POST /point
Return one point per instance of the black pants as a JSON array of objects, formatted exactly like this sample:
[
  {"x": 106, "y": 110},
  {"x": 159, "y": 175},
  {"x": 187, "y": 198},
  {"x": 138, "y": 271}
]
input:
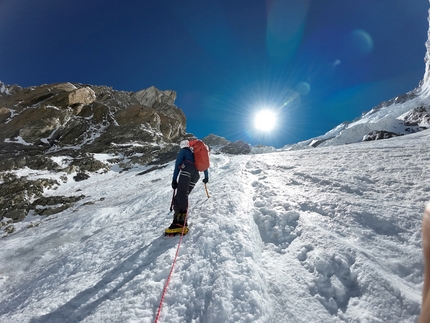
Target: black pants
[{"x": 188, "y": 178}]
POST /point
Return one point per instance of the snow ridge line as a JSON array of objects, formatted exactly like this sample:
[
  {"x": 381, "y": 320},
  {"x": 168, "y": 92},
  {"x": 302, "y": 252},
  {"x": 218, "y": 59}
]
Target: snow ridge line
[{"x": 157, "y": 317}]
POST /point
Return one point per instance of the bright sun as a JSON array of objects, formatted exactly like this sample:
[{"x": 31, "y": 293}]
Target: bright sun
[{"x": 265, "y": 120}]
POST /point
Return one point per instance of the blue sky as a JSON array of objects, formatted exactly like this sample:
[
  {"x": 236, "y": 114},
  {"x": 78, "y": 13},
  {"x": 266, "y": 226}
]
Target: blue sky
[{"x": 316, "y": 63}]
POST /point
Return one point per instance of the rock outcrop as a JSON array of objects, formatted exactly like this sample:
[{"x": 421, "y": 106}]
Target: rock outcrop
[
  {"x": 419, "y": 116},
  {"x": 61, "y": 127},
  {"x": 238, "y": 147},
  {"x": 379, "y": 135},
  {"x": 214, "y": 140},
  {"x": 66, "y": 114}
]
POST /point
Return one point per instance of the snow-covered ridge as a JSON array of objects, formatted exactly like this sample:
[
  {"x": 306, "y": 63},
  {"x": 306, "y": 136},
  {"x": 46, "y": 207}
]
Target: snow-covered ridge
[{"x": 399, "y": 118}]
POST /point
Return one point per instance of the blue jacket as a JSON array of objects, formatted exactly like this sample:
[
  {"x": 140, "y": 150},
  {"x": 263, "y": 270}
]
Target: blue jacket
[{"x": 185, "y": 156}]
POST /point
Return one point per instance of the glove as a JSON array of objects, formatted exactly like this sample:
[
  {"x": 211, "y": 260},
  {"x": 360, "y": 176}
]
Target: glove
[
  {"x": 205, "y": 180},
  {"x": 174, "y": 184}
]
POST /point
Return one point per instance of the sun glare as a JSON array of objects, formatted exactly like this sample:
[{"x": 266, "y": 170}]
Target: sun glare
[{"x": 265, "y": 120}]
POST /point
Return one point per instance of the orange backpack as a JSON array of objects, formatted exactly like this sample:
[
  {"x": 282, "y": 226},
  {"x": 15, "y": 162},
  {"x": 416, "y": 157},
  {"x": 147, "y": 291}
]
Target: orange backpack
[{"x": 201, "y": 155}]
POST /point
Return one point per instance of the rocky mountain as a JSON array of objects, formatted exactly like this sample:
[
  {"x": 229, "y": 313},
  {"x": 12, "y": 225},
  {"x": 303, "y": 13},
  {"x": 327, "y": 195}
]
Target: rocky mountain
[{"x": 63, "y": 127}]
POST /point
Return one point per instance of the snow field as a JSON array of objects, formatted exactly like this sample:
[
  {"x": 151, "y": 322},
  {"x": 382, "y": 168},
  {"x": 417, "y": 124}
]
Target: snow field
[{"x": 325, "y": 235}]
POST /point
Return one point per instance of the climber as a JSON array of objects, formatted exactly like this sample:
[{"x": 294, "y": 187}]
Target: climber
[{"x": 185, "y": 167}]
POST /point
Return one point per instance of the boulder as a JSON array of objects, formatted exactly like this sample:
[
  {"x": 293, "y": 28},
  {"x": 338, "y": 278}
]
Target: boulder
[{"x": 82, "y": 96}]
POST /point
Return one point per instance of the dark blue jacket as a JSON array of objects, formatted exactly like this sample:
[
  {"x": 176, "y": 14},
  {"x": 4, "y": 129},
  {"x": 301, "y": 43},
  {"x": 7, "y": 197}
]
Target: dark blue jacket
[{"x": 185, "y": 156}]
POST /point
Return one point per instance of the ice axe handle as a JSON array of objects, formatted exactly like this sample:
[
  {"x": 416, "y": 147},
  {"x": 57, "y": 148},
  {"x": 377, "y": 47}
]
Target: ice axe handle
[
  {"x": 206, "y": 189},
  {"x": 173, "y": 197}
]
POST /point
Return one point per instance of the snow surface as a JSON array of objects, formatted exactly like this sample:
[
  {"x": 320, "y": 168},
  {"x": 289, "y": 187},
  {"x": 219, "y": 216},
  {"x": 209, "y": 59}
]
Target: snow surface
[{"x": 331, "y": 234}]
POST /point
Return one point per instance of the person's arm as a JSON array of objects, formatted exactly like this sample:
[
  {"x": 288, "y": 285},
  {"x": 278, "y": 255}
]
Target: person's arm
[
  {"x": 179, "y": 161},
  {"x": 425, "y": 308}
]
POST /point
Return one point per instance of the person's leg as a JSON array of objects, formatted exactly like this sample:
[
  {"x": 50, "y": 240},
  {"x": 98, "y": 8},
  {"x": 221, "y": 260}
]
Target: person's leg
[
  {"x": 180, "y": 201},
  {"x": 181, "y": 197},
  {"x": 194, "y": 179}
]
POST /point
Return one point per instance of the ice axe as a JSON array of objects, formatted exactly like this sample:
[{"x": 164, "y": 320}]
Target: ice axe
[
  {"x": 173, "y": 197},
  {"x": 206, "y": 189}
]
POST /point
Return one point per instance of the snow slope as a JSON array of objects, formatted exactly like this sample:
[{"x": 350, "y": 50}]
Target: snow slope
[{"x": 323, "y": 235}]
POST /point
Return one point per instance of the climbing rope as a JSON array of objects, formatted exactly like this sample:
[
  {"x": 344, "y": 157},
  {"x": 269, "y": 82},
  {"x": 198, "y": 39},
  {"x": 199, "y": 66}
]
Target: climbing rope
[
  {"x": 157, "y": 317},
  {"x": 170, "y": 274}
]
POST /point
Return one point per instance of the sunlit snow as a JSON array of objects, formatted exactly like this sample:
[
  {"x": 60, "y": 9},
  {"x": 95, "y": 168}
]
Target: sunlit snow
[{"x": 324, "y": 235}]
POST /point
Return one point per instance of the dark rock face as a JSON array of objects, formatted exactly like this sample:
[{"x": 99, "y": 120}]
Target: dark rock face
[
  {"x": 224, "y": 146},
  {"x": 214, "y": 140},
  {"x": 40, "y": 124},
  {"x": 380, "y": 134},
  {"x": 16, "y": 193},
  {"x": 54, "y": 204},
  {"x": 81, "y": 177},
  {"x": 236, "y": 148},
  {"x": 417, "y": 116},
  {"x": 417, "y": 119}
]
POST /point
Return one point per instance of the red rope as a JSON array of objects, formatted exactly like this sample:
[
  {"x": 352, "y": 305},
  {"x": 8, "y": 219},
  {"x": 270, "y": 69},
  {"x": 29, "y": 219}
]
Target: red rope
[{"x": 171, "y": 271}]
